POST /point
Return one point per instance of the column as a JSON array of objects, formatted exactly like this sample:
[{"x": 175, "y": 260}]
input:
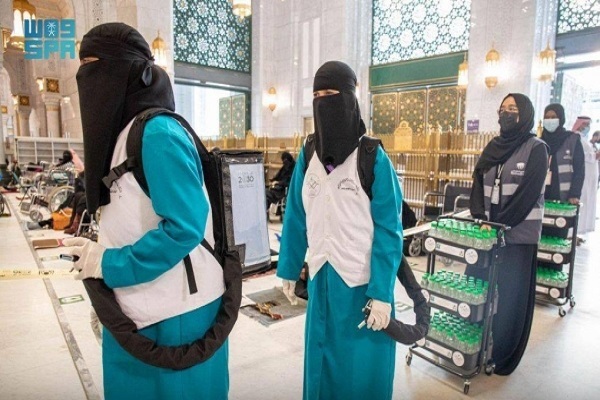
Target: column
[
  {"x": 52, "y": 111},
  {"x": 518, "y": 31},
  {"x": 23, "y": 112},
  {"x": 2, "y": 83}
]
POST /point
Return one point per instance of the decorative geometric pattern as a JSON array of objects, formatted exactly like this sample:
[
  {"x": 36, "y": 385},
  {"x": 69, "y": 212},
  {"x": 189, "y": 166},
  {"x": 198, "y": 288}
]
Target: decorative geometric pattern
[
  {"x": 576, "y": 15},
  {"x": 411, "y": 108},
  {"x": 238, "y": 115},
  {"x": 232, "y": 116},
  {"x": 225, "y": 117},
  {"x": 446, "y": 108},
  {"x": 384, "y": 113},
  {"x": 207, "y": 33},
  {"x": 408, "y": 29}
]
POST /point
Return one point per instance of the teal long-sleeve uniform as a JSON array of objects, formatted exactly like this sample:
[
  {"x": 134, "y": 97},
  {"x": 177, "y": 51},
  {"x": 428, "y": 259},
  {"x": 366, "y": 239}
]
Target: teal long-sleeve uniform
[
  {"x": 174, "y": 174},
  {"x": 340, "y": 360}
]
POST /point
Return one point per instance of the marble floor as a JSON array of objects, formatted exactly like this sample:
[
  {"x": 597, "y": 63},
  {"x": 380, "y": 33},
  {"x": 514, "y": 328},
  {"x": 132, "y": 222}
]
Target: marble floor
[{"x": 48, "y": 349}]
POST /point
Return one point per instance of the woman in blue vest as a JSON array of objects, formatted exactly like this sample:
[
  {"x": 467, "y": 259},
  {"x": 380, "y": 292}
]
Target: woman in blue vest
[
  {"x": 508, "y": 187},
  {"x": 144, "y": 236},
  {"x": 567, "y": 166},
  {"x": 355, "y": 249}
]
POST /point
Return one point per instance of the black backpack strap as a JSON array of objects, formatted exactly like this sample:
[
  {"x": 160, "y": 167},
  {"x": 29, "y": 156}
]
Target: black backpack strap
[
  {"x": 367, "y": 153},
  {"x": 309, "y": 150}
]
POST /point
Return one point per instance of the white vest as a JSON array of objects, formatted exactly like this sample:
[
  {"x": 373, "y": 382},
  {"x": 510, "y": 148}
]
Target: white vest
[
  {"x": 127, "y": 218},
  {"x": 339, "y": 222}
]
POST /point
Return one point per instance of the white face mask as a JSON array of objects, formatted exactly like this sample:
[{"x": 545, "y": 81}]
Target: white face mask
[
  {"x": 551, "y": 124},
  {"x": 585, "y": 131}
]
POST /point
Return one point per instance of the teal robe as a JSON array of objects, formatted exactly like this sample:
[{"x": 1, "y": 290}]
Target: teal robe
[
  {"x": 174, "y": 174},
  {"x": 340, "y": 360}
]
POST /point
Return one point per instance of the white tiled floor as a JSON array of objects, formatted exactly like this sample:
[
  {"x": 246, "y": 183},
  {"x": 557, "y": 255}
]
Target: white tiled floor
[{"x": 36, "y": 361}]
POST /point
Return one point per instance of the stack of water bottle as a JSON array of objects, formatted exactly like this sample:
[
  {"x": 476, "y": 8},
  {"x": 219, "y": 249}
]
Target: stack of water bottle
[
  {"x": 554, "y": 245},
  {"x": 457, "y": 286},
  {"x": 463, "y": 233},
  {"x": 455, "y": 332},
  {"x": 552, "y": 278},
  {"x": 557, "y": 208}
]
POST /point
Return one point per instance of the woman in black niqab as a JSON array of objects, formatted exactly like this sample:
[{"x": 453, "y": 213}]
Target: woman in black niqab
[
  {"x": 338, "y": 124},
  {"x": 123, "y": 82}
]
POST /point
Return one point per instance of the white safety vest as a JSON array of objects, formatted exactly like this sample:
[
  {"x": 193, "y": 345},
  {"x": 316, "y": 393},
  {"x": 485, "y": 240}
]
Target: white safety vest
[
  {"x": 127, "y": 218},
  {"x": 339, "y": 222}
]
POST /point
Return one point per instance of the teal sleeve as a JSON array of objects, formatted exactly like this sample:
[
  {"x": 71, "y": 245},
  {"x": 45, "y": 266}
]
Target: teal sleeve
[
  {"x": 293, "y": 238},
  {"x": 386, "y": 211},
  {"x": 174, "y": 174}
]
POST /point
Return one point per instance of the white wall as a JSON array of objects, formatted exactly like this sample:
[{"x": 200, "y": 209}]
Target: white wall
[
  {"x": 290, "y": 40},
  {"x": 519, "y": 30}
]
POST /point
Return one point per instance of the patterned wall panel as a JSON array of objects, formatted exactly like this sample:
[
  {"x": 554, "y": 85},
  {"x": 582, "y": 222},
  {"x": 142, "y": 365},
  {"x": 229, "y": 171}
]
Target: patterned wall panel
[
  {"x": 411, "y": 108},
  {"x": 576, "y": 15},
  {"x": 408, "y": 29},
  {"x": 238, "y": 115},
  {"x": 225, "y": 116},
  {"x": 384, "y": 113},
  {"x": 446, "y": 108},
  {"x": 208, "y": 34}
]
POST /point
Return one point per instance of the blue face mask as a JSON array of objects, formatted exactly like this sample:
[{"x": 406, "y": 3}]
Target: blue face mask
[
  {"x": 551, "y": 124},
  {"x": 585, "y": 131}
]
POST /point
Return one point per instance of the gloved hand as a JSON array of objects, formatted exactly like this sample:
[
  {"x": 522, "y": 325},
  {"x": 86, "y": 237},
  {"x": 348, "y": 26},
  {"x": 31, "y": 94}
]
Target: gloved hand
[
  {"x": 379, "y": 318},
  {"x": 90, "y": 254},
  {"x": 289, "y": 288}
]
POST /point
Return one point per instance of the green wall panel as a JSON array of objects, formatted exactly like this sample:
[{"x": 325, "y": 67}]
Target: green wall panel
[{"x": 426, "y": 71}]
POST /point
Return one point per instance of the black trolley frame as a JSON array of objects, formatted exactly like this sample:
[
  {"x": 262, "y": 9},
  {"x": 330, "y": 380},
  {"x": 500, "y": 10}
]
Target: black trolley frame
[
  {"x": 442, "y": 355},
  {"x": 552, "y": 295}
]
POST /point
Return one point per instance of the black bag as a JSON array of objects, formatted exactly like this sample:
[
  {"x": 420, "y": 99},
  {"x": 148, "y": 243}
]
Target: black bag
[{"x": 103, "y": 299}]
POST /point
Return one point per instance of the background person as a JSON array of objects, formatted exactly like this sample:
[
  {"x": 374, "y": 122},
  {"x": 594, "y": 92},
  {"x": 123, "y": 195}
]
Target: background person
[
  {"x": 587, "y": 213},
  {"x": 281, "y": 180},
  {"x": 508, "y": 184}
]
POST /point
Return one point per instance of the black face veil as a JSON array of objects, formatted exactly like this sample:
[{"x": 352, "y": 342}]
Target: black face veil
[
  {"x": 112, "y": 91},
  {"x": 338, "y": 124}
]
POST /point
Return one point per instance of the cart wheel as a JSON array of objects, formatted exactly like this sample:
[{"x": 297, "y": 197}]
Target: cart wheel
[
  {"x": 466, "y": 387},
  {"x": 572, "y": 302},
  {"x": 58, "y": 196},
  {"x": 414, "y": 248},
  {"x": 408, "y": 359},
  {"x": 489, "y": 369},
  {"x": 36, "y": 215},
  {"x": 561, "y": 312}
]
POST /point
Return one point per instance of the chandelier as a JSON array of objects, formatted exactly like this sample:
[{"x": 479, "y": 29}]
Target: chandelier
[{"x": 22, "y": 10}]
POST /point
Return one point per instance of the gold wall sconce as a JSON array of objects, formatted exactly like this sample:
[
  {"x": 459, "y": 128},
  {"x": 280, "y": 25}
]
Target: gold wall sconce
[
  {"x": 492, "y": 66},
  {"x": 272, "y": 98}
]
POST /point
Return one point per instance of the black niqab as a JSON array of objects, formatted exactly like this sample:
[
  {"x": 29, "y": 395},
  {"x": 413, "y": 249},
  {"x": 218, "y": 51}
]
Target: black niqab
[
  {"x": 112, "y": 91},
  {"x": 338, "y": 124},
  {"x": 556, "y": 139},
  {"x": 500, "y": 148}
]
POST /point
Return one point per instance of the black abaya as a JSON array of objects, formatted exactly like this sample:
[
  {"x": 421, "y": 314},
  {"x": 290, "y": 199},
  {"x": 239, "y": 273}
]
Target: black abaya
[{"x": 516, "y": 300}]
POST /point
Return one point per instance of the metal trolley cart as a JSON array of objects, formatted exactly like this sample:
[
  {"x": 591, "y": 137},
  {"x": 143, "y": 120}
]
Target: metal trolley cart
[
  {"x": 556, "y": 287},
  {"x": 460, "y": 342}
]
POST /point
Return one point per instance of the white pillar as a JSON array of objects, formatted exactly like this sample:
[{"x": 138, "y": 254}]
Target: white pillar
[
  {"x": 23, "y": 112},
  {"x": 519, "y": 31},
  {"x": 52, "y": 111}
]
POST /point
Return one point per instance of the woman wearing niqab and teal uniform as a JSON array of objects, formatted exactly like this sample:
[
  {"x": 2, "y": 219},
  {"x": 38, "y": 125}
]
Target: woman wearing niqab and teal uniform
[{"x": 355, "y": 249}]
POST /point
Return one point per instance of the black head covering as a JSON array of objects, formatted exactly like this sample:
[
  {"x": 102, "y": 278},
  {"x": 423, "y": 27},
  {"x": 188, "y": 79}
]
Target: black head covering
[
  {"x": 500, "y": 148},
  {"x": 112, "y": 91},
  {"x": 338, "y": 124},
  {"x": 557, "y": 138},
  {"x": 287, "y": 157},
  {"x": 67, "y": 157}
]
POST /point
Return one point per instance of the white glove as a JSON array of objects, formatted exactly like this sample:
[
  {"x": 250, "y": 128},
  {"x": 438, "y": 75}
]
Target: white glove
[
  {"x": 289, "y": 288},
  {"x": 379, "y": 318},
  {"x": 90, "y": 254}
]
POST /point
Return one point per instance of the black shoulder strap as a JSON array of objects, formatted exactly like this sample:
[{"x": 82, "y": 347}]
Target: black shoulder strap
[
  {"x": 367, "y": 153},
  {"x": 134, "y": 164},
  {"x": 309, "y": 150}
]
